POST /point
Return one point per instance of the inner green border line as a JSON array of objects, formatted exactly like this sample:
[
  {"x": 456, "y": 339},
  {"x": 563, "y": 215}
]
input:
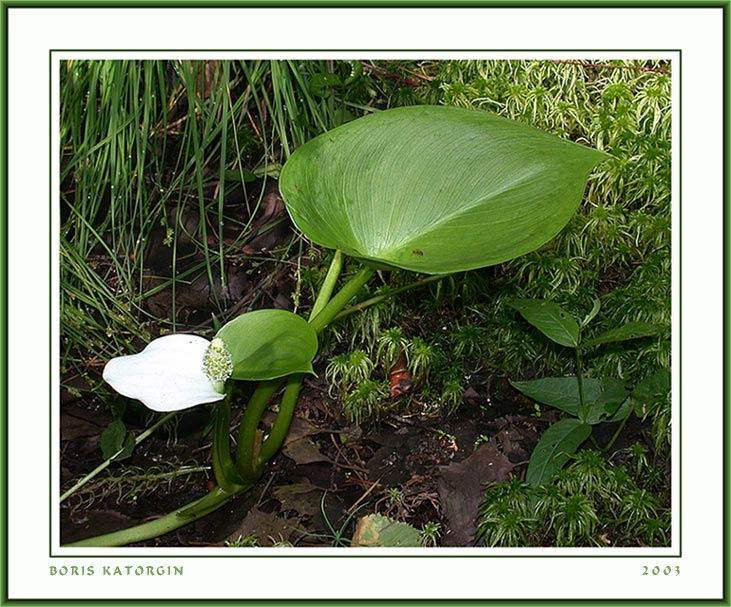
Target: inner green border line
[{"x": 54, "y": 63}]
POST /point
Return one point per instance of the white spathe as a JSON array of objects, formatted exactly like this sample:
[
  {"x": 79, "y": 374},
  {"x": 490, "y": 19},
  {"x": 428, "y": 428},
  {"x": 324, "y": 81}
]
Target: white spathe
[{"x": 167, "y": 375}]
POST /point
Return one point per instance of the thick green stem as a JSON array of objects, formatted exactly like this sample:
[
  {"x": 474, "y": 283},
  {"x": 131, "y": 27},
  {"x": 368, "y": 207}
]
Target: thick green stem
[
  {"x": 246, "y": 451},
  {"x": 327, "y": 313},
  {"x": 580, "y": 380},
  {"x": 379, "y": 298},
  {"x": 340, "y": 300},
  {"x": 328, "y": 286},
  {"x": 174, "y": 520},
  {"x": 227, "y": 475},
  {"x": 284, "y": 418}
]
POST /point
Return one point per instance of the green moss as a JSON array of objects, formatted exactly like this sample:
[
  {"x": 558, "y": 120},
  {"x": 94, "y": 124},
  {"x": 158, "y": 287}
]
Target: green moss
[{"x": 589, "y": 503}]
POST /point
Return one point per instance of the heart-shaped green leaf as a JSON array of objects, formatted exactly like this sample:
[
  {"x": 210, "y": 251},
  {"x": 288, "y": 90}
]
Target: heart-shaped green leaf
[
  {"x": 267, "y": 344},
  {"x": 435, "y": 189}
]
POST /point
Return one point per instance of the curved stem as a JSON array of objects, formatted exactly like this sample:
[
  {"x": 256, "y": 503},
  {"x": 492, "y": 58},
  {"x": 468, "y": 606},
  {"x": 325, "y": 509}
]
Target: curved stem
[
  {"x": 328, "y": 286},
  {"x": 284, "y": 418},
  {"x": 246, "y": 451},
  {"x": 339, "y": 301},
  {"x": 318, "y": 321},
  {"x": 618, "y": 431},
  {"x": 580, "y": 380},
  {"x": 174, "y": 520},
  {"x": 379, "y": 298},
  {"x": 227, "y": 475}
]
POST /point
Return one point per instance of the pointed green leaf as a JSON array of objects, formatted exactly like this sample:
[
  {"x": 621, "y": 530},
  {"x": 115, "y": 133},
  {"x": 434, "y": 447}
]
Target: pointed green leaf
[
  {"x": 560, "y": 392},
  {"x": 129, "y": 447},
  {"x": 267, "y": 344},
  {"x": 435, "y": 189},
  {"x": 602, "y": 397},
  {"x": 611, "y": 404},
  {"x": 621, "y": 412},
  {"x": 632, "y": 330},
  {"x": 597, "y": 304},
  {"x": 549, "y": 318},
  {"x": 112, "y": 438},
  {"x": 555, "y": 447}
]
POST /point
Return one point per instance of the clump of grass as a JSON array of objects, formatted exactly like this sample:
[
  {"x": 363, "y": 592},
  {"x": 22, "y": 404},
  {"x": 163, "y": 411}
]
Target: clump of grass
[
  {"x": 151, "y": 153},
  {"x": 365, "y": 402},
  {"x": 347, "y": 370}
]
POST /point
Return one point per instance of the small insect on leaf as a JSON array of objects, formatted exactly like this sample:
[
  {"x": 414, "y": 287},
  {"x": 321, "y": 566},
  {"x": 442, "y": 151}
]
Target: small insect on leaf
[{"x": 418, "y": 252}]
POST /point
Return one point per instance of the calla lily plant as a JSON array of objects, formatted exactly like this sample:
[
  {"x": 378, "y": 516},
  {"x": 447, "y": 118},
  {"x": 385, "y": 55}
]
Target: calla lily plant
[{"x": 434, "y": 190}]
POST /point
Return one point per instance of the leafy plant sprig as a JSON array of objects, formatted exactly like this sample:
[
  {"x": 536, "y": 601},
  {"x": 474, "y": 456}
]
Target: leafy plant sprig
[{"x": 587, "y": 401}]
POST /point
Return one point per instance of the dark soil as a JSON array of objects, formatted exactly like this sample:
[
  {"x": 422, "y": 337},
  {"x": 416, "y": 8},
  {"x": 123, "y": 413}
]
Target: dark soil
[{"x": 326, "y": 476}]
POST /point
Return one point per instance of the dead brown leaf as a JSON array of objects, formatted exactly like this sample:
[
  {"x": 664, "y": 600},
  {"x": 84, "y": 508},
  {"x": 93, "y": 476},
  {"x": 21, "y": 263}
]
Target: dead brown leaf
[{"x": 460, "y": 487}]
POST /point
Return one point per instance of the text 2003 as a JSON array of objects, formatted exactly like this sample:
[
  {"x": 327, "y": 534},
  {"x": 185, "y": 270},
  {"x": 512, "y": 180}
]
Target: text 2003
[{"x": 657, "y": 570}]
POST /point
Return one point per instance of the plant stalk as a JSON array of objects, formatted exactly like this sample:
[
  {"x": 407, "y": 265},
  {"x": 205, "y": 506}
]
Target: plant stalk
[
  {"x": 379, "y": 298},
  {"x": 328, "y": 286},
  {"x": 283, "y": 420},
  {"x": 246, "y": 452},
  {"x": 339, "y": 301},
  {"x": 580, "y": 380},
  {"x": 324, "y": 312},
  {"x": 174, "y": 520},
  {"x": 226, "y": 473},
  {"x": 618, "y": 431}
]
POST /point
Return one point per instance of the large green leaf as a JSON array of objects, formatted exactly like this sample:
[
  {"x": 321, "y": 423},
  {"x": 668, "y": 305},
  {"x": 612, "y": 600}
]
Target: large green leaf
[
  {"x": 555, "y": 447},
  {"x": 267, "y": 344},
  {"x": 435, "y": 189},
  {"x": 602, "y": 397},
  {"x": 560, "y": 392},
  {"x": 550, "y": 318}
]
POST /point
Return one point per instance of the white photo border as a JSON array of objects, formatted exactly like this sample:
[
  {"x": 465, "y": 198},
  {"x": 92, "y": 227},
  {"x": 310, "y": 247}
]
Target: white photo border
[{"x": 692, "y": 39}]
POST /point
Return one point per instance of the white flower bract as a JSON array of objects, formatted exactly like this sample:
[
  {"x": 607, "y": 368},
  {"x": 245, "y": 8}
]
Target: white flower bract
[{"x": 168, "y": 375}]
